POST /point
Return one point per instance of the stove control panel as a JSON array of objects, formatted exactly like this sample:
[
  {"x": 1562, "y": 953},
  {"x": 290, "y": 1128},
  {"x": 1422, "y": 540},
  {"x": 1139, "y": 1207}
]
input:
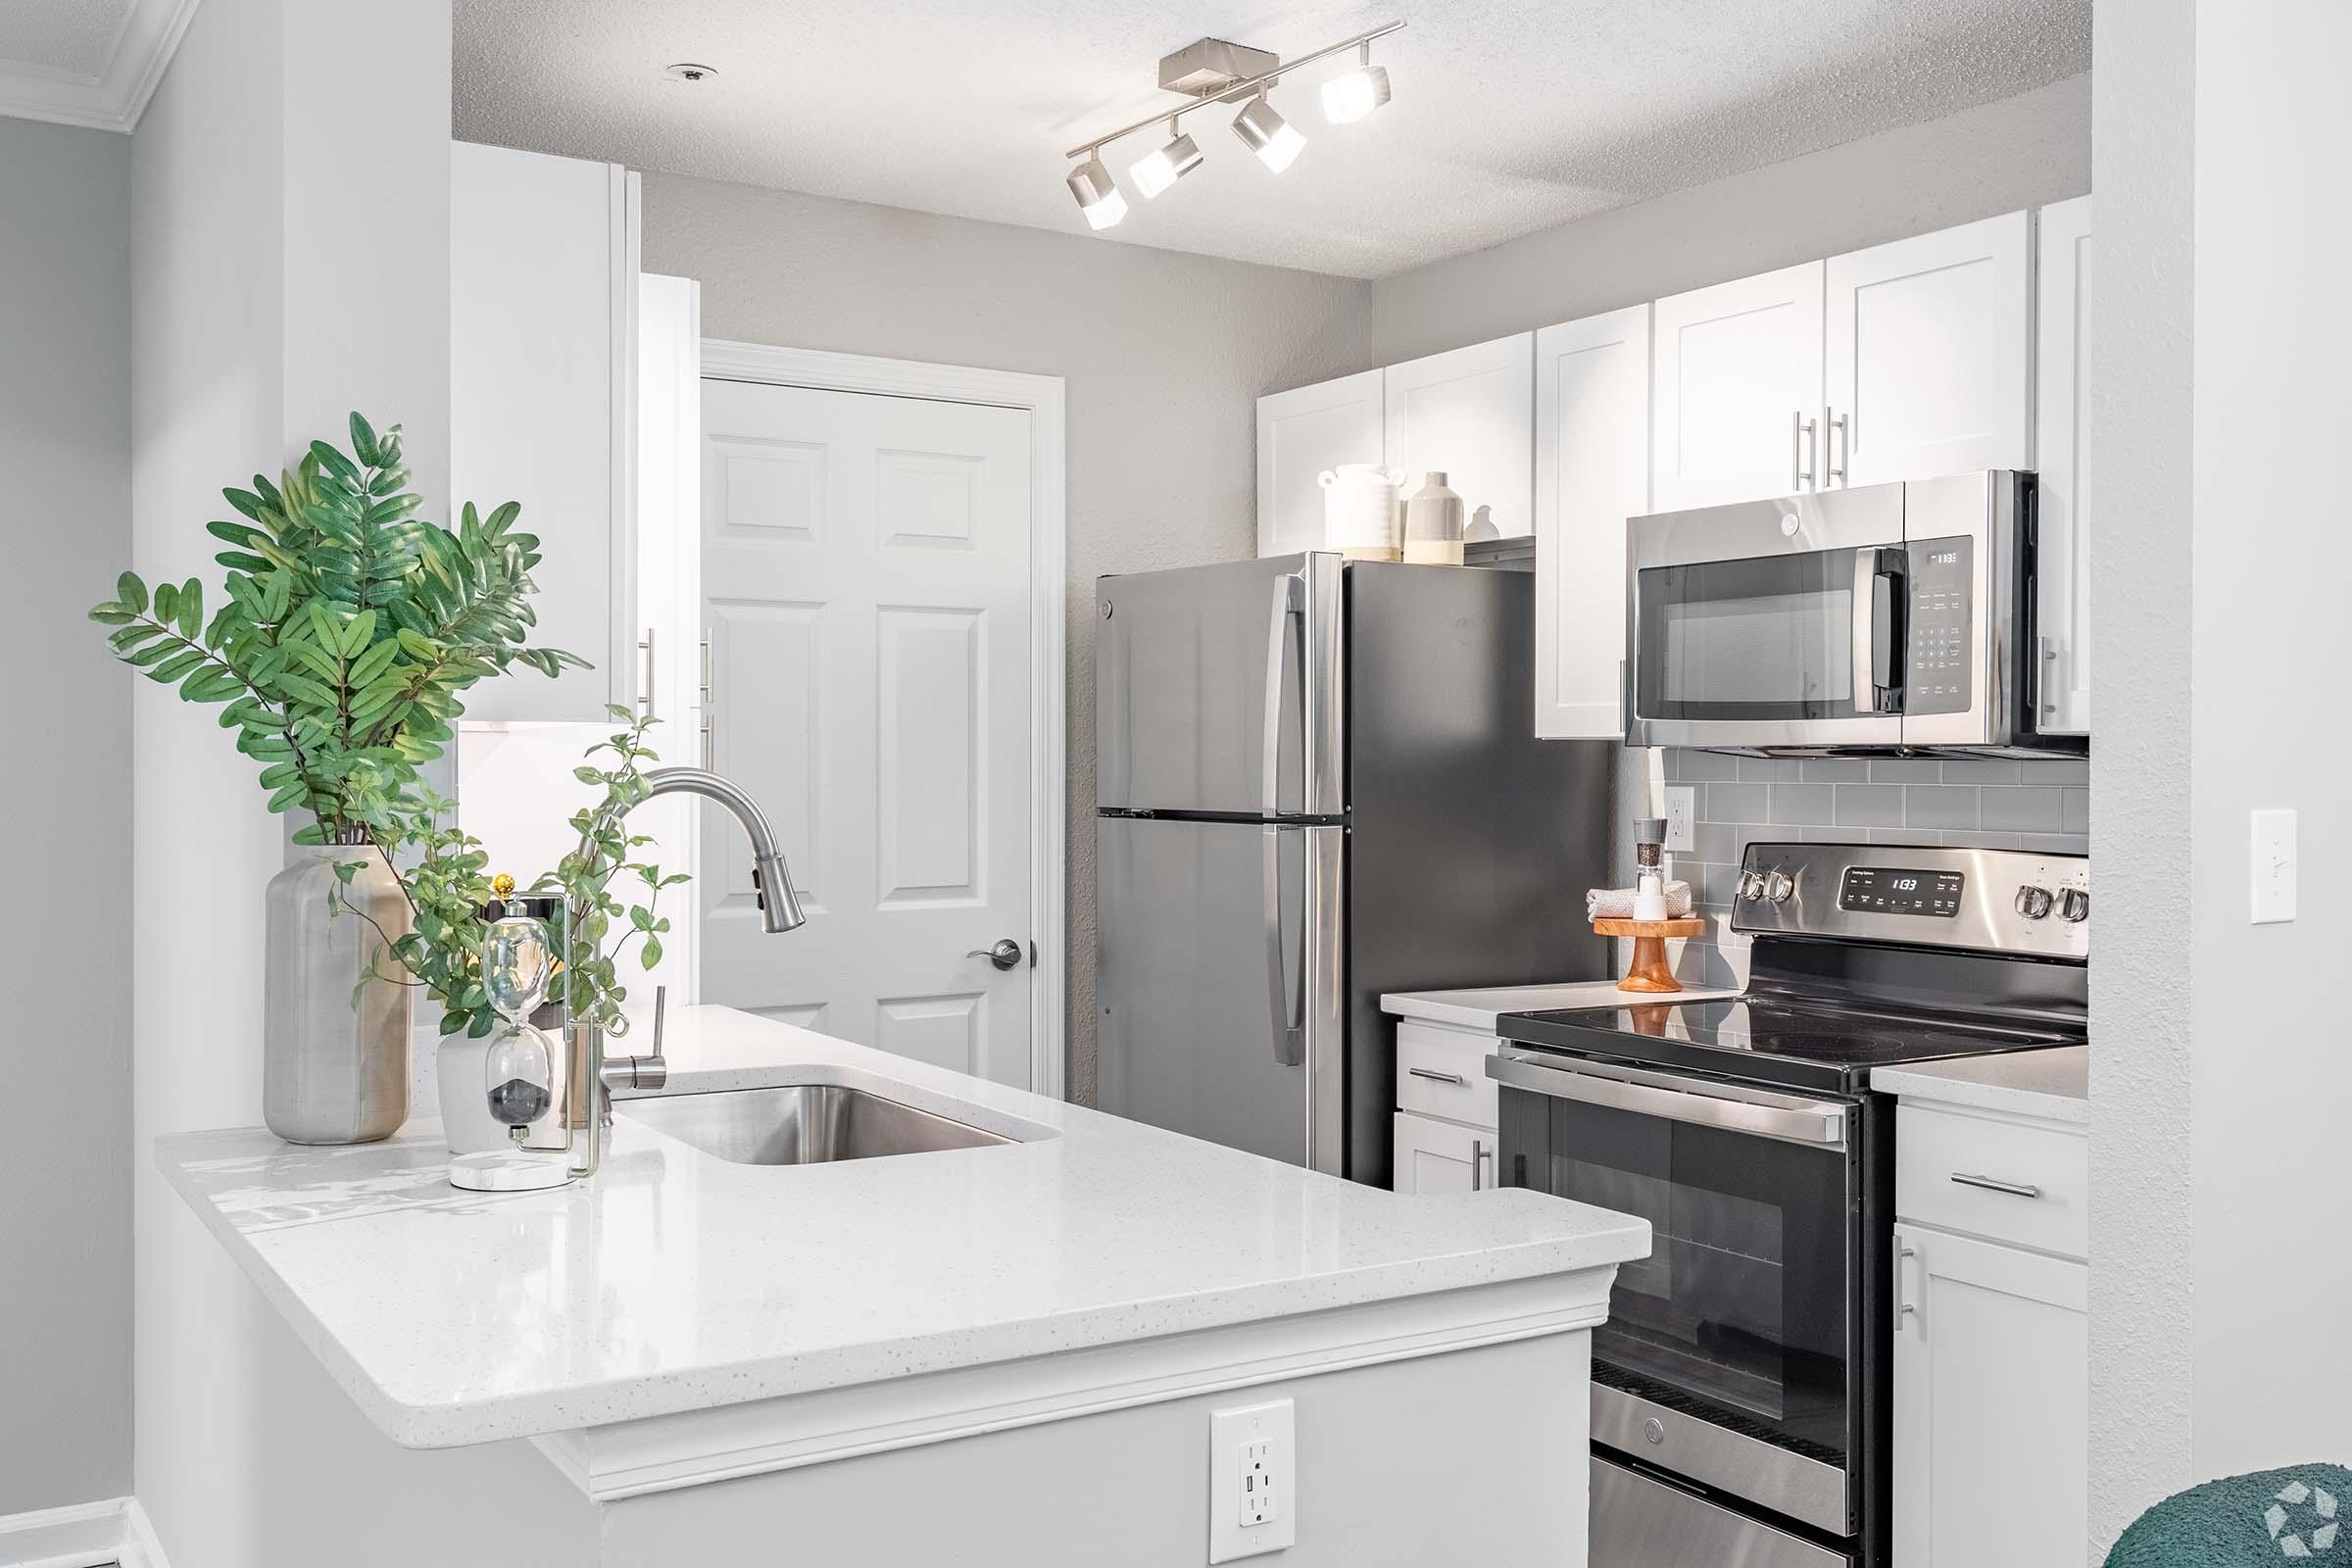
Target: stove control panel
[{"x": 1986, "y": 901}]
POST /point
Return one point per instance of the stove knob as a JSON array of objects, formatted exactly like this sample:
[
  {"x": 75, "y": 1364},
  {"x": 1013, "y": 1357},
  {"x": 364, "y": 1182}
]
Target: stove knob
[
  {"x": 1777, "y": 887},
  {"x": 1751, "y": 886},
  {"x": 2073, "y": 904},
  {"x": 2033, "y": 903}
]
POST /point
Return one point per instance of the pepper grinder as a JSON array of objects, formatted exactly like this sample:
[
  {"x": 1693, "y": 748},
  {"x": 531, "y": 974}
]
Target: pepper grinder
[{"x": 1650, "y": 861}]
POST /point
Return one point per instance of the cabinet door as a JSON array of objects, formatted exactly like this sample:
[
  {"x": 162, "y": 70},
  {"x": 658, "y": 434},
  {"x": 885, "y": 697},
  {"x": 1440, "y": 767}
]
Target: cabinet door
[
  {"x": 1736, "y": 399},
  {"x": 1432, "y": 1156},
  {"x": 1469, "y": 414},
  {"x": 543, "y": 393},
  {"x": 1928, "y": 343},
  {"x": 1991, "y": 1404},
  {"x": 2062, "y": 410},
  {"x": 1592, "y": 474},
  {"x": 1299, "y": 434}
]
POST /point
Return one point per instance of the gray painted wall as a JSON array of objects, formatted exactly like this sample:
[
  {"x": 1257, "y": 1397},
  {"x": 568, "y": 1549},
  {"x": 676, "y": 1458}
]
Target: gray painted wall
[
  {"x": 1997, "y": 158},
  {"x": 64, "y": 445},
  {"x": 1164, "y": 355}
]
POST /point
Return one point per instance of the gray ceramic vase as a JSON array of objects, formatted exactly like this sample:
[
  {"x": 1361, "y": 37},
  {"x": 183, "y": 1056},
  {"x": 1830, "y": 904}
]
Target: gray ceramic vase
[{"x": 334, "y": 1065}]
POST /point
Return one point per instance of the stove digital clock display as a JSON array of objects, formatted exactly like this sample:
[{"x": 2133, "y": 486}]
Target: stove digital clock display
[{"x": 1880, "y": 890}]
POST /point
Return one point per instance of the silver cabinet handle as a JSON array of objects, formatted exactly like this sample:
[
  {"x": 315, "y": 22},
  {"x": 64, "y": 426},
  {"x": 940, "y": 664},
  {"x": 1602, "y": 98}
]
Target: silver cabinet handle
[
  {"x": 1840, "y": 442},
  {"x": 1902, "y": 1308},
  {"x": 1288, "y": 1014},
  {"x": 1993, "y": 1184},
  {"x": 645, "y": 695},
  {"x": 1289, "y": 599},
  {"x": 1800, "y": 455},
  {"x": 1480, "y": 1153},
  {"x": 1435, "y": 1076},
  {"x": 1004, "y": 952},
  {"x": 1787, "y": 1118},
  {"x": 709, "y": 721}
]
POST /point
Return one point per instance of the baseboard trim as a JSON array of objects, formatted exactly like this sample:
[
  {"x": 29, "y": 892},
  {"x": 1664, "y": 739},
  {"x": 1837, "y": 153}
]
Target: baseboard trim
[{"x": 86, "y": 1535}]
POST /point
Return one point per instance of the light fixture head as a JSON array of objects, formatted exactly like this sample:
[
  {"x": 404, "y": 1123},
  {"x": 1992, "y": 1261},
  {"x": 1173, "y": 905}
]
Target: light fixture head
[
  {"x": 1276, "y": 141},
  {"x": 1354, "y": 94},
  {"x": 1098, "y": 195},
  {"x": 1164, "y": 167},
  {"x": 689, "y": 71}
]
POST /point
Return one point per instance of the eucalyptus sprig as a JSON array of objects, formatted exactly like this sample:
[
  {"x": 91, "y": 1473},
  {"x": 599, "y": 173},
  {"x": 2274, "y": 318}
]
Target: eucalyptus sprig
[{"x": 585, "y": 876}]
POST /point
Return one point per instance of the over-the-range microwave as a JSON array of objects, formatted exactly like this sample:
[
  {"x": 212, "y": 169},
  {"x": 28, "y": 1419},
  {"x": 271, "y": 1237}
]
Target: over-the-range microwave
[{"x": 1887, "y": 617}]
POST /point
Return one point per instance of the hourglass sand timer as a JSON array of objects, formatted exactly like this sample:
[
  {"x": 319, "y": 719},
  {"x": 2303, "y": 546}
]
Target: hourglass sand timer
[{"x": 518, "y": 1068}]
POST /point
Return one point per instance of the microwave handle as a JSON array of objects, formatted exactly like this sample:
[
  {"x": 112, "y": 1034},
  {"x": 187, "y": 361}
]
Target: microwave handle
[{"x": 1878, "y": 629}]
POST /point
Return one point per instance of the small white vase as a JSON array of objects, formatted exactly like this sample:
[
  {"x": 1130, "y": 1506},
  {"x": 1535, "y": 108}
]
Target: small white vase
[
  {"x": 1433, "y": 525},
  {"x": 1361, "y": 520}
]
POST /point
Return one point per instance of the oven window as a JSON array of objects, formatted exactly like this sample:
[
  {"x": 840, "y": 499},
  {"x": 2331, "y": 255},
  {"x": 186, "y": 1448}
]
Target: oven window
[
  {"x": 1767, "y": 638},
  {"x": 1740, "y": 1313}
]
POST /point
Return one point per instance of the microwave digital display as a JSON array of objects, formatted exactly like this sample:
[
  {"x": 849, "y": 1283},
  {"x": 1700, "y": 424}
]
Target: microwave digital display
[{"x": 1881, "y": 890}]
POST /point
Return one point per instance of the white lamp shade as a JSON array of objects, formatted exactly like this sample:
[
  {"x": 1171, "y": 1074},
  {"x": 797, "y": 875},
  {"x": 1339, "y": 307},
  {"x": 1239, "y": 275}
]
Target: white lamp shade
[
  {"x": 1276, "y": 141},
  {"x": 1164, "y": 167},
  {"x": 1354, "y": 94},
  {"x": 1099, "y": 196}
]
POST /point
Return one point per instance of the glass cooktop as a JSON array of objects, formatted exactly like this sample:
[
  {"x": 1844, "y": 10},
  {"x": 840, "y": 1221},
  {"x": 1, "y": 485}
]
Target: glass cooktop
[{"x": 1775, "y": 1039}]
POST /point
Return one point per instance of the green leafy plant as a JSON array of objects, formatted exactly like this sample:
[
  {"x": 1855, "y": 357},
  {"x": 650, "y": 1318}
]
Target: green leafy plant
[{"x": 338, "y": 648}]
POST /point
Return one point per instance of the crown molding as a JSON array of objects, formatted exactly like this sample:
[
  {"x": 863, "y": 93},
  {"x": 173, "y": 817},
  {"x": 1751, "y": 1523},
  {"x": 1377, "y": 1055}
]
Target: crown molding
[{"x": 115, "y": 99}]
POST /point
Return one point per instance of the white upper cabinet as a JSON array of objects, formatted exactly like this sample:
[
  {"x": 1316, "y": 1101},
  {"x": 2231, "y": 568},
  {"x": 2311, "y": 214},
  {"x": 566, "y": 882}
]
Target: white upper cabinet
[
  {"x": 1592, "y": 474},
  {"x": 1469, "y": 414},
  {"x": 1300, "y": 433},
  {"x": 2062, "y": 403},
  {"x": 1930, "y": 340},
  {"x": 543, "y": 344},
  {"x": 1736, "y": 399}
]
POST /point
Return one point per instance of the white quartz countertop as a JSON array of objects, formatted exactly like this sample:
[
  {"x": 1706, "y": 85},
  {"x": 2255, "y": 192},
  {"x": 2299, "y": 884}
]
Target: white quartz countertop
[
  {"x": 2052, "y": 1084},
  {"x": 675, "y": 1281},
  {"x": 1479, "y": 1009}
]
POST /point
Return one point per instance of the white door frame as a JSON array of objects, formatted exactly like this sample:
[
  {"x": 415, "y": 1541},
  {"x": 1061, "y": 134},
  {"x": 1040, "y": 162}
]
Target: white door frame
[{"x": 1048, "y": 682}]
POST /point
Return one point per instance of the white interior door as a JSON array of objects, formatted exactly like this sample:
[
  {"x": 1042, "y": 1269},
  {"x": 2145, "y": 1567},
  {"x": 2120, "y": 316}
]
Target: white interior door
[
  {"x": 1738, "y": 390},
  {"x": 865, "y": 590},
  {"x": 1928, "y": 342},
  {"x": 1470, "y": 415}
]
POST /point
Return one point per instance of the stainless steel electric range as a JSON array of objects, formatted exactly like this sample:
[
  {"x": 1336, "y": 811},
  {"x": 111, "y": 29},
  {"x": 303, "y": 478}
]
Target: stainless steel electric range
[{"x": 1740, "y": 1397}]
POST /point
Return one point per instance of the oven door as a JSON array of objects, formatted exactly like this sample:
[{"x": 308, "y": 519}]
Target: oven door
[
  {"x": 1770, "y": 623},
  {"x": 1731, "y": 1355}
]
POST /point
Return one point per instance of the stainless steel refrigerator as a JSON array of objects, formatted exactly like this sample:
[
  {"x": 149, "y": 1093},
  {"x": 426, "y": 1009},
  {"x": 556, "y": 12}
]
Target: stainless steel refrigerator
[{"x": 1317, "y": 781}]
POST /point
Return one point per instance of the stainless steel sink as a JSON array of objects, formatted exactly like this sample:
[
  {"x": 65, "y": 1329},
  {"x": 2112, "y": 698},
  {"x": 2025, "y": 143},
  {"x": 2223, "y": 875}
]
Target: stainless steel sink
[{"x": 801, "y": 1124}]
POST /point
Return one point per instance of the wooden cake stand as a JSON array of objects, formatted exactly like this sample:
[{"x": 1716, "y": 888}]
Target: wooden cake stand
[{"x": 1650, "y": 971}]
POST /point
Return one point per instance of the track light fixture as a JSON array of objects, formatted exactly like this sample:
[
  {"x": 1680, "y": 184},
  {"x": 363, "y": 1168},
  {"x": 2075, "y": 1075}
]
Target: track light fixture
[
  {"x": 1164, "y": 167},
  {"x": 1213, "y": 69},
  {"x": 1097, "y": 197},
  {"x": 1349, "y": 97}
]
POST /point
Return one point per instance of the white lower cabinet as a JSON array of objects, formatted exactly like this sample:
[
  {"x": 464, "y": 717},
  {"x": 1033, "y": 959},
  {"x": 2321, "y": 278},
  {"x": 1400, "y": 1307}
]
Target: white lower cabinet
[
  {"x": 1434, "y": 1156},
  {"x": 1991, "y": 1360}
]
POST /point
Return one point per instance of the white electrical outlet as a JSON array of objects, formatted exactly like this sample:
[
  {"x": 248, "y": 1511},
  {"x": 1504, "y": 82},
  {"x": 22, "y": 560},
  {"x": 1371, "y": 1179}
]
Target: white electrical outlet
[
  {"x": 1252, "y": 1470},
  {"x": 1682, "y": 818},
  {"x": 2274, "y": 867}
]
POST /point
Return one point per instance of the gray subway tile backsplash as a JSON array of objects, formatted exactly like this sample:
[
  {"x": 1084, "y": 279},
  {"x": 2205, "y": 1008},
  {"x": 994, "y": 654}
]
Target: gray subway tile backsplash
[
  {"x": 1795, "y": 804},
  {"x": 1739, "y": 802},
  {"x": 2028, "y": 809},
  {"x": 1869, "y": 806},
  {"x": 1980, "y": 770},
  {"x": 1941, "y": 806}
]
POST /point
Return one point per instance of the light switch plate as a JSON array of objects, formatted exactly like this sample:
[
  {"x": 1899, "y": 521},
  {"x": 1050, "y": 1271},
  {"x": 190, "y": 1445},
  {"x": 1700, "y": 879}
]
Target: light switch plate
[
  {"x": 2274, "y": 866},
  {"x": 1253, "y": 1480},
  {"x": 1682, "y": 812}
]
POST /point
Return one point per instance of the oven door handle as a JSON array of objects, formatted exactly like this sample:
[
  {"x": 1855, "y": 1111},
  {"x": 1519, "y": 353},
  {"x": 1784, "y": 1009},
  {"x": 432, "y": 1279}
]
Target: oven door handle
[{"x": 1787, "y": 1118}]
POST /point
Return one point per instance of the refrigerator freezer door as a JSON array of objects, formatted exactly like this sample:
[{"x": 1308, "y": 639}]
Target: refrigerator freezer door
[
  {"x": 1217, "y": 689},
  {"x": 1218, "y": 985}
]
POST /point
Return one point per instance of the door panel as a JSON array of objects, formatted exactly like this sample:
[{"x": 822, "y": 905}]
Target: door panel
[
  {"x": 1210, "y": 1010},
  {"x": 1928, "y": 339},
  {"x": 1641, "y": 1522},
  {"x": 1434, "y": 1157},
  {"x": 1738, "y": 382},
  {"x": 1991, "y": 1404},
  {"x": 1469, "y": 414},
  {"x": 1186, "y": 666},
  {"x": 2062, "y": 410},
  {"x": 866, "y": 567},
  {"x": 1592, "y": 475},
  {"x": 1300, "y": 433}
]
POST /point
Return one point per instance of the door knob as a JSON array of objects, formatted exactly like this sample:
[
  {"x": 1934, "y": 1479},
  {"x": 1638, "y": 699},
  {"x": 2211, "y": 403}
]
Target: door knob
[{"x": 1005, "y": 954}]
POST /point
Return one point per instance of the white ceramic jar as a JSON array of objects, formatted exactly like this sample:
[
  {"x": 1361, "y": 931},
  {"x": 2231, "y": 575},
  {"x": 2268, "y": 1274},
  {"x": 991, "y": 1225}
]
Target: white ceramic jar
[
  {"x": 1361, "y": 517},
  {"x": 1433, "y": 525}
]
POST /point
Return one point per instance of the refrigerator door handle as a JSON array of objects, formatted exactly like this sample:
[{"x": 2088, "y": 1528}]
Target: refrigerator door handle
[
  {"x": 1289, "y": 599},
  {"x": 1288, "y": 1004}
]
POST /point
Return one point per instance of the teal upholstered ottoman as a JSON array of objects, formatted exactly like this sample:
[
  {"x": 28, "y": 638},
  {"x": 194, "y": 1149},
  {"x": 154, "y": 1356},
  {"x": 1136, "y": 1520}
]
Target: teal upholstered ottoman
[{"x": 2301, "y": 1514}]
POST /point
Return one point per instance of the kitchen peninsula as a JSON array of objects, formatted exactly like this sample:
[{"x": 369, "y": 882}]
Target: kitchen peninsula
[{"x": 1008, "y": 1353}]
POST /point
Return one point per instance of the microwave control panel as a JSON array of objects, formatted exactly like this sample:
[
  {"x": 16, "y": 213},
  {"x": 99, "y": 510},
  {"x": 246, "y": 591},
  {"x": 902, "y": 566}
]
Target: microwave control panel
[{"x": 1935, "y": 674}]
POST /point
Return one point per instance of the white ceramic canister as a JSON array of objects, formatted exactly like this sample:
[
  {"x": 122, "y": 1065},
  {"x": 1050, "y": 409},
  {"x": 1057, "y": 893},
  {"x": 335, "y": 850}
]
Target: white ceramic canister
[
  {"x": 1433, "y": 525},
  {"x": 462, "y": 1066},
  {"x": 1361, "y": 517}
]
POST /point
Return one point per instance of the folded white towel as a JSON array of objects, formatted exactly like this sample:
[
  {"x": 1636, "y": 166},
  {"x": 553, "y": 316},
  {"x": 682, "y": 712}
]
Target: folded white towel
[{"x": 1617, "y": 903}]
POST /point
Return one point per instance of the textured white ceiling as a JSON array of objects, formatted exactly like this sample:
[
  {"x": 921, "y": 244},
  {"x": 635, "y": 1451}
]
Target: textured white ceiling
[
  {"x": 1509, "y": 116},
  {"x": 86, "y": 62},
  {"x": 72, "y": 37}
]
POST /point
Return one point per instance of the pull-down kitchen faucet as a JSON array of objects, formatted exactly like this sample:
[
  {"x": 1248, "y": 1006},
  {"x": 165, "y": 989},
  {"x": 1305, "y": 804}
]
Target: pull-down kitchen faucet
[{"x": 590, "y": 1077}]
